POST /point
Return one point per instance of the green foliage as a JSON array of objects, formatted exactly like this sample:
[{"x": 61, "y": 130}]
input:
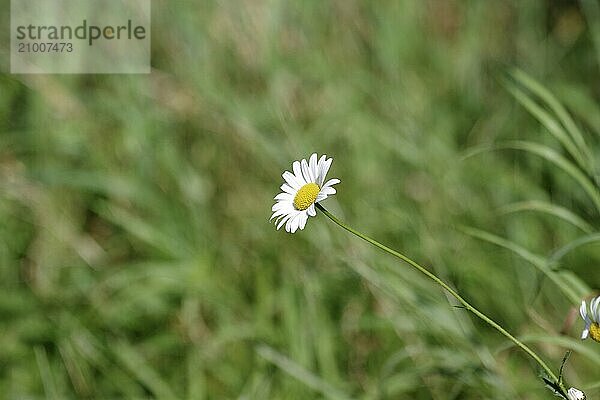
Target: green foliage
[{"x": 136, "y": 256}]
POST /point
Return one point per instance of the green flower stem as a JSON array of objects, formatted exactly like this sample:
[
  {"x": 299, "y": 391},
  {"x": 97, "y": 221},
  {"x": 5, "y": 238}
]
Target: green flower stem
[{"x": 458, "y": 297}]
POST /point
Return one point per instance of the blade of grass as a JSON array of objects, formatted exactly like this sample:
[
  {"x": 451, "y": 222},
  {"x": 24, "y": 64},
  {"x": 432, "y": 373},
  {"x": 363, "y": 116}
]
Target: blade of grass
[
  {"x": 196, "y": 377},
  {"x": 575, "y": 282},
  {"x": 591, "y": 9},
  {"x": 141, "y": 369},
  {"x": 560, "y": 111},
  {"x": 300, "y": 373},
  {"x": 590, "y": 386},
  {"x": 45, "y": 373},
  {"x": 550, "y": 123},
  {"x": 112, "y": 185},
  {"x": 75, "y": 367},
  {"x": 140, "y": 228},
  {"x": 548, "y": 154},
  {"x": 86, "y": 345},
  {"x": 582, "y": 102},
  {"x": 323, "y": 337},
  {"x": 548, "y": 208},
  {"x": 536, "y": 260},
  {"x": 564, "y": 250}
]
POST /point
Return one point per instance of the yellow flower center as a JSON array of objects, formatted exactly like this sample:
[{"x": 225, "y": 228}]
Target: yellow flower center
[
  {"x": 306, "y": 196},
  {"x": 595, "y": 332}
]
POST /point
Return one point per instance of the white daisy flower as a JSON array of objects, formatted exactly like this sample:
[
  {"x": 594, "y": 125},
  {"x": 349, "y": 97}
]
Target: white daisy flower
[
  {"x": 301, "y": 191},
  {"x": 575, "y": 394},
  {"x": 592, "y": 319}
]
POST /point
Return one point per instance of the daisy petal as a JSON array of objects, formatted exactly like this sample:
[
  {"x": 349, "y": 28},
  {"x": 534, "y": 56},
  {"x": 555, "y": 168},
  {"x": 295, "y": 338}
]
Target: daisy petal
[
  {"x": 289, "y": 226},
  {"x": 305, "y": 171},
  {"x": 291, "y": 180},
  {"x": 280, "y": 217},
  {"x": 277, "y": 207},
  {"x": 321, "y": 163},
  {"x": 283, "y": 221},
  {"x": 311, "y": 210},
  {"x": 583, "y": 311},
  {"x": 303, "y": 219},
  {"x": 585, "y": 333},
  {"x": 312, "y": 164},
  {"x": 331, "y": 182},
  {"x": 328, "y": 190},
  {"x": 324, "y": 170},
  {"x": 284, "y": 197},
  {"x": 288, "y": 189},
  {"x": 298, "y": 172},
  {"x": 295, "y": 224},
  {"x": 594, "y": 308},
  {"x": 282, "y": 209},
  {"x": 283, "y": 205},
  {"x": 277, "y": 214}
]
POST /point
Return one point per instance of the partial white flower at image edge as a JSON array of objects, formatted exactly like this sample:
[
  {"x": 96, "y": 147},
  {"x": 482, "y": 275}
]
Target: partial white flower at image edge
[
  {"x": 575, "y": 394},
  {"x": 591, "y": 319}
]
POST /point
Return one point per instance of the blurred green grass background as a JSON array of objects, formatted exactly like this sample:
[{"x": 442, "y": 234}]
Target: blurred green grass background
[{"x": 136, "y": 258}]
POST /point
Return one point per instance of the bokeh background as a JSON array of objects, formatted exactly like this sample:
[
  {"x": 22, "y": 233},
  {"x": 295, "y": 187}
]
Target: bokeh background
[{"x": 136, "y": 257}]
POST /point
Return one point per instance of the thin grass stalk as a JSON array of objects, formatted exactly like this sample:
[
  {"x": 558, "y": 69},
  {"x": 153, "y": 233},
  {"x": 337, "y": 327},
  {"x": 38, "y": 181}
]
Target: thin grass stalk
[{"x": 454, "y": 293}]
